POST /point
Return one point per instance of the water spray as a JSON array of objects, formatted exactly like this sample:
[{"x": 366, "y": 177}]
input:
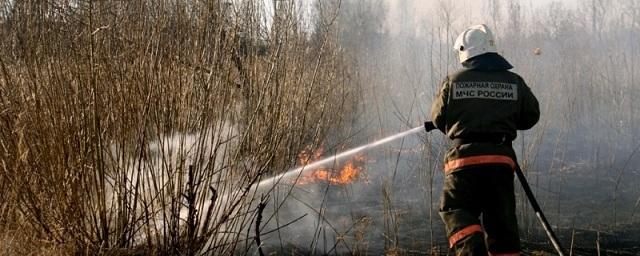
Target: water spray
[
  {"x": 428, "y": 126},
  {"x": 292, "y": 174}
]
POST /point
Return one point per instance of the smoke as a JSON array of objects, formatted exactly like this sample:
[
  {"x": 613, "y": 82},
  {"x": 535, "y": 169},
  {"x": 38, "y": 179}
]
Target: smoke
[
  {"x": 151, "y": 181},
  {"x": 356, "y": 217},
  {"x": 400, "y": 52},
  {"x": 583, "y": 73}
]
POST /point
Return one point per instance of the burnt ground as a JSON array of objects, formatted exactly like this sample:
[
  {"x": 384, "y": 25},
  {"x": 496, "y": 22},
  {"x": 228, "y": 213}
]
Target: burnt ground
[
  {"x": 374, "y": 232},
  {"x": 371, "y": 222},
  {"x": 585, "y": 243},
  {"x": 625, "y": 241},
  {"x": 529, "y": 248},
  {"x": 372, "y": 227}
]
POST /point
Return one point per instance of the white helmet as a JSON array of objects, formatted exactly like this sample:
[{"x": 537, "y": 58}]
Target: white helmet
[{"x": 474, "y": 41}]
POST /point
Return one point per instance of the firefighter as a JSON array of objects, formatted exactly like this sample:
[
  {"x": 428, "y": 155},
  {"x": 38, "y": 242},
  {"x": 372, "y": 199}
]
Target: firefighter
[{"x": 480, "y": 108}]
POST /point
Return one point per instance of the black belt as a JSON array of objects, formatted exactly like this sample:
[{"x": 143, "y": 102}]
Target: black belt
[{"x": 493, "y": 138}]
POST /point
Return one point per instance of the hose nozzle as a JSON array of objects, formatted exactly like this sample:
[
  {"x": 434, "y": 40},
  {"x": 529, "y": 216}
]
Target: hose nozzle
[{"x": 429, "y": 126}]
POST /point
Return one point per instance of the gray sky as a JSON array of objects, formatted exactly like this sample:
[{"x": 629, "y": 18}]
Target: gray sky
[{"x": 466, "y": 12}]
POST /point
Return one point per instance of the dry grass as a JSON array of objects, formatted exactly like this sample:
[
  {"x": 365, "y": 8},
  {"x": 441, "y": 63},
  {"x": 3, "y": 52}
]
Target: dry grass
[{"x": 120, "y": 119}]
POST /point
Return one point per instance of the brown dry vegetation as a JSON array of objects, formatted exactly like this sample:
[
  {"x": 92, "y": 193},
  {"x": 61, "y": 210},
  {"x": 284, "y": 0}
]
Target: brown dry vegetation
[{"x": 115, "y": 115}]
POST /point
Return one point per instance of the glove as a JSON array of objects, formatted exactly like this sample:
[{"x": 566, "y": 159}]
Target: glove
[{"x": 429, "y": 126}]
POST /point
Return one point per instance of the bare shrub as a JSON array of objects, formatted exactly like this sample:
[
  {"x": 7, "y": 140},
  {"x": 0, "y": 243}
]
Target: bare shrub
[{"x": 140, "y": 126}]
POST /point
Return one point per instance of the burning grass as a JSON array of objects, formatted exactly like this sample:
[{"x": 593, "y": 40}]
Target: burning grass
[{"x": 346, "y": 173}]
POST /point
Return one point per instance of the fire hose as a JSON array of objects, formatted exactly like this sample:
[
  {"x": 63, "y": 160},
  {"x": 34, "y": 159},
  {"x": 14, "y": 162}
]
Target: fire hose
[{"x": 532, "y": 200}]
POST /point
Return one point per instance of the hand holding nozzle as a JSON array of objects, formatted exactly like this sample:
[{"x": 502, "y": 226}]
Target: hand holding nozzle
[{"x": 429, "y": 126}]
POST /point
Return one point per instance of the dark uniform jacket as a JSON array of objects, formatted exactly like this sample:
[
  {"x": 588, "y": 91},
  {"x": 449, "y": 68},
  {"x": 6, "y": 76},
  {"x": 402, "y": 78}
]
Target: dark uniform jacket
[{"x": 479, "y": 104}]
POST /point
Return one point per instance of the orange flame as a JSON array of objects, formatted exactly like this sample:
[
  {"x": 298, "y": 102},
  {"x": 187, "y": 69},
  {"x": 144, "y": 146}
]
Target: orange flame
[{"x": 349, "y": 172}]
